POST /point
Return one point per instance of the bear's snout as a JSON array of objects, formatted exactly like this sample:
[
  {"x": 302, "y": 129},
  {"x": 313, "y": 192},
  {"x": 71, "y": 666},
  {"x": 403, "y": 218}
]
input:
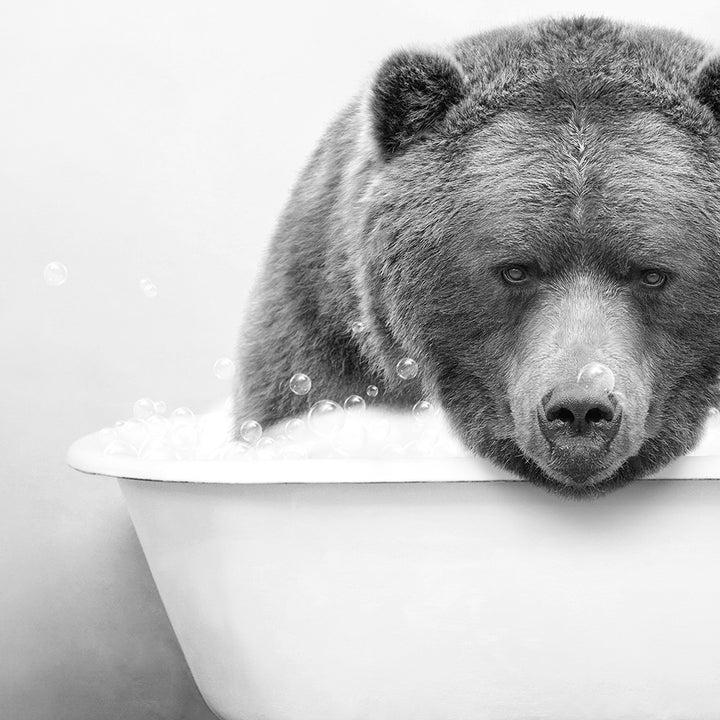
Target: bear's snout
[{"x": 579, "y": 424}]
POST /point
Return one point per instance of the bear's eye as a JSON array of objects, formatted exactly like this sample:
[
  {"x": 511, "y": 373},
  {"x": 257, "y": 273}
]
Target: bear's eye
[
  {"x": 514, "y": 275},
  {"x": 653, "y": 278}
]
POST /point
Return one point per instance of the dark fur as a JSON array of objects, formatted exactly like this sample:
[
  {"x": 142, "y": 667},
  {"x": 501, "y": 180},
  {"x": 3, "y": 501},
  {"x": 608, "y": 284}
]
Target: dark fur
[{"x": 580, "y": 142}]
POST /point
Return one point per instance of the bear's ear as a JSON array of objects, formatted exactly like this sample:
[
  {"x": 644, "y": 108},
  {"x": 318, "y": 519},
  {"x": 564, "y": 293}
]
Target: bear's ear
[
  {"x": 707, "y": 85},
  {"x": 411, "y": 93}
]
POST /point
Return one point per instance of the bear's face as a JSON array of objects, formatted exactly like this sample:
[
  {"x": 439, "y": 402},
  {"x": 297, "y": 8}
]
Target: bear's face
[{"x": 506, "y": 255}]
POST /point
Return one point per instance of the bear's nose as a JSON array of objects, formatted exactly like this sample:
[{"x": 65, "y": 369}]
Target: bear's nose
[{"x": 580, "y": 410}]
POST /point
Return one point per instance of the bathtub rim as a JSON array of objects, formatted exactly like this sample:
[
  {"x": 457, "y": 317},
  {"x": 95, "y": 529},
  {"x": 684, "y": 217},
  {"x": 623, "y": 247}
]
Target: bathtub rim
[{"x": 87, "y": 456}]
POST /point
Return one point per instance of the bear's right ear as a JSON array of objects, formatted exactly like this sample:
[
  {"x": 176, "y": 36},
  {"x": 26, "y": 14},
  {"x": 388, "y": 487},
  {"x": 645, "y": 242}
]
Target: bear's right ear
[
  {"x": 707, "y": 85},
  {"x": 412, "y": 92}
]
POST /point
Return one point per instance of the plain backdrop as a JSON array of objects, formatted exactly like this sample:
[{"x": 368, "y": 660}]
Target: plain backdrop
[{"x": 155, "y": 139}]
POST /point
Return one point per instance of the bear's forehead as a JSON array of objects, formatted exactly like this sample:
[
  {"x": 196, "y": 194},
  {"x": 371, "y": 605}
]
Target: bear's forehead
[{"x": 587, "y": 181}]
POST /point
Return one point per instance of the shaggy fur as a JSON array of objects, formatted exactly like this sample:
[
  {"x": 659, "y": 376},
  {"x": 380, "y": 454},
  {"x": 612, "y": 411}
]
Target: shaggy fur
[{"x": 580, "y": 149}]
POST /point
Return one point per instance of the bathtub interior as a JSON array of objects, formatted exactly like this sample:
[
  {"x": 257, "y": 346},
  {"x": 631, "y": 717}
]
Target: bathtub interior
[{"x": 394, "y": 447}]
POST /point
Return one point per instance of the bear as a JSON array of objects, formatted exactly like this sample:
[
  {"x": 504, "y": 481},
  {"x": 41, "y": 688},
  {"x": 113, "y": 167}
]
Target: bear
[{"x": 506, "y": 210}]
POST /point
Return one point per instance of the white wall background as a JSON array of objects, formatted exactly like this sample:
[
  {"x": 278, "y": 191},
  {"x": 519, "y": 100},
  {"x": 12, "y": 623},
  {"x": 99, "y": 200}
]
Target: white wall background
[{"x": 150, "y": 138}]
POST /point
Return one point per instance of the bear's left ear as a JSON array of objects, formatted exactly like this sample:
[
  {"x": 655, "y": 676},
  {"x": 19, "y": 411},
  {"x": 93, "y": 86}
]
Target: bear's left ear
[
  {"x": 412, "y": 92},
  {"x": 707, "y": 85}
]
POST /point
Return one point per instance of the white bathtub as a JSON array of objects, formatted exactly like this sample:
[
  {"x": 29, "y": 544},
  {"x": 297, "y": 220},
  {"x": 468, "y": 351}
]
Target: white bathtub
[{"x": 431, "y": 589}]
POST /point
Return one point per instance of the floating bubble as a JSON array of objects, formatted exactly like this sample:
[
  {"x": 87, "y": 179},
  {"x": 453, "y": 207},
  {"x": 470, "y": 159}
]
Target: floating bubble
[
  {"x": 224, "y": 368},
  {"x": 160, "y": 407},
  {"x": 295, "y": 429},
  {"x": 143, "y": 409},
  {"x": 713, "y": 416},
  {"x": 357, "y": 327},
  {"x": 55, "y": 274},
  {"x": 157, "y": 449},
  {"x": 265, "y": 449},
  {"x": 422, "y": 409},
  {"x": 182, "y": 416},
  {"x": 407, "y": 368},
  {"x": 326, "y": 418},
  {"x": 148, "y": 288},
  {"x": 372, "y": 391},
  {"x": 121, "y": 447},
  {"x": 596, "y": 375},
  {"x": 251, "y": 431},
  {"x": 354, "y": 404},
  {"x": 300, "y": 384}
]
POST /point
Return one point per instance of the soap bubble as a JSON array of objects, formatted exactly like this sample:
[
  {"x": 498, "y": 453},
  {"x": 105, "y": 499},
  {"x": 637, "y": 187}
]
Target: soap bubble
[
  {"x": 55, "y": 274},
  {"x": 265, "y": 448},
  {"x": 300, "y": 384},
  {"x": 148, "y": 288},
  {"x": 596, "y": 375},
  {"x": 357, "y": 327},
  {"x": 143, "y": 409},
  {"x": 157, "y": 449},
  {"x": 422, "y": 409},
  {"x": 372, "y": 391},
  {"x": 160, "y": 407},
  {"x": 251, "y": 431},
  {"x": 224, "y": 368},
  {"x": 407, "y": 368},
  {"x": 326, "y": 418},
  {"x": 713, "y": 416},
  {"x": 295, "y": 429},
  {"x": 182, "y": 416},
  {"x": 121, "y": 447},
  {"x": 133, "y": 431},
  {"x": 354, "y": 404}
]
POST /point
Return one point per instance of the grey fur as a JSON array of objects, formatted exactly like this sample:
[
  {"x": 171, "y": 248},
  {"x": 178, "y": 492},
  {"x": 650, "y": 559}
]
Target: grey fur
[{"x": 585, "y": 145}]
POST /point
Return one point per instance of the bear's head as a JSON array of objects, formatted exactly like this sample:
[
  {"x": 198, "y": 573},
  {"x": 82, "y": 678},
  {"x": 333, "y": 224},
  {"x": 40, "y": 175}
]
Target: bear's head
[{"x": 544, "y": 201}]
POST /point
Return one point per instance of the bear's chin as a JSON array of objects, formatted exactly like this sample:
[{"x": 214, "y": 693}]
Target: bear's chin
[{"x": 629, "y": 469}]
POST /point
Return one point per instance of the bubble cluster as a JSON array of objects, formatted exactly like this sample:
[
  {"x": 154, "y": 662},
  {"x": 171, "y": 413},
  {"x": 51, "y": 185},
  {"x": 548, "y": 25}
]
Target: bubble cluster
[
  {"x": 224, "y": 368},
  {"x": 595, "y": 375},
  {"x": 327, "y": 430},
  {"x": 407, "y": 368},
  {"x": 148, "y": 287},
  {"x": 55, "y": 274},
  {"x": 300, "y": 384}
]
